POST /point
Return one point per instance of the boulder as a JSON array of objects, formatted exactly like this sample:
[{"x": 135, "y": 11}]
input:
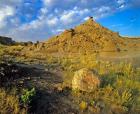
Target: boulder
[{"x": 85, "y": 80}]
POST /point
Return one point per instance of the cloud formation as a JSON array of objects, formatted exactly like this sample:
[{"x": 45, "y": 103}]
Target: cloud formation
[
  {"x": 5, "y": 12},
  {"x": 39, "y": 19}
]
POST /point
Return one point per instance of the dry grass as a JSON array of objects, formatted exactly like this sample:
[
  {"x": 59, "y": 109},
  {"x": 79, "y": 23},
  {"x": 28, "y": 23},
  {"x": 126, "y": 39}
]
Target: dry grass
[
  {"x": 119, "y": 88},
  {"x": 120, "y": 82},
  {"x": 9, "y": 103}
]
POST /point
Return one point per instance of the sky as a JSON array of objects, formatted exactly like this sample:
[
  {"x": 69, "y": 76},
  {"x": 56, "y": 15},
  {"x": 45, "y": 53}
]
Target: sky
[{"x": 32, "y": 20}]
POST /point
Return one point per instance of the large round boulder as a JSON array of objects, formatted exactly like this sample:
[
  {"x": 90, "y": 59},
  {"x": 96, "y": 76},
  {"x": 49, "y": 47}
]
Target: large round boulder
[{"x": 85, "y": 80}]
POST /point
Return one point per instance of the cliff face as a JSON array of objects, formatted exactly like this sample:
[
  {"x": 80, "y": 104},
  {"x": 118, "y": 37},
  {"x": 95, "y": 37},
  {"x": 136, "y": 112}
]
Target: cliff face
[{"x": 6, "y": 40}]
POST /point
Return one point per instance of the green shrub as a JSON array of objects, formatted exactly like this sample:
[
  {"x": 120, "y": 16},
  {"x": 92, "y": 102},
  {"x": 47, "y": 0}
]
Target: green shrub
[{"x": 27, "y": 96}]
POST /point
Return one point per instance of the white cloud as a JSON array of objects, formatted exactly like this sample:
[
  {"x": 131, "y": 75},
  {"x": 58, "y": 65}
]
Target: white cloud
[
  {"x": 120, "y": 1},
  {"x": 53, "y": 21},
  {"x": 44, "y": 10},
  {"x": 60, "y": 30},
  {"x": 122, "y": 6},
  {"x": 103, "y": 9},
  {"x": 5, "y": 12},
  {"x": 86, "y": 18},
  {"x": 49, "y": 2},
  {"x": 71, "y": 16},
  {"x": 33, "y": 25},
  {"x": 84, "y": 11},
  {"x": 67, "y": 17},
  {"x": 26, "y": 20},
  {"x": 102, "y": 12}
]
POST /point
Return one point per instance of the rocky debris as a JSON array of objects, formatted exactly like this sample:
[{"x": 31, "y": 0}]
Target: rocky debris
[
  {"x": 85, "y": 80},
  {"x": 11, "y": 72}
]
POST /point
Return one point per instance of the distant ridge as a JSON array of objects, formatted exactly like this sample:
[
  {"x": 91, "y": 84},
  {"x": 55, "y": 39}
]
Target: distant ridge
[{"x": 6, "y": 40}]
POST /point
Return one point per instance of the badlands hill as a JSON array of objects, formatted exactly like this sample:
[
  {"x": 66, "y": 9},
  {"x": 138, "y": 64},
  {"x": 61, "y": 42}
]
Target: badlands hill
[{"x": 88, "y": 37}]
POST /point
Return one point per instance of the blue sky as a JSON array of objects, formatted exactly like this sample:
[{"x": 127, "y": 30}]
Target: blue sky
[
  {"x": 25, "y": 20},
  {"x": 126, "y": 22}
]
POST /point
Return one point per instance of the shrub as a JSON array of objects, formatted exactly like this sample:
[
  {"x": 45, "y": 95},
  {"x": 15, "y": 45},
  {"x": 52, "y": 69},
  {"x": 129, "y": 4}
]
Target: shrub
[
  {"x": 83, "y": 105},
  {"x": 112, "y": 96},
  {"x": 27, "y": 96}
]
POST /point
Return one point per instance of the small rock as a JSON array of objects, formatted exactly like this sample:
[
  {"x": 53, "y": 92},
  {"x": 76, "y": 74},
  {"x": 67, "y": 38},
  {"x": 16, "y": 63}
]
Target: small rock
[
  {"x": 46, "y": 70},
  {"x": 60, "y": 89},
  {"x": 28, "y": 78}
]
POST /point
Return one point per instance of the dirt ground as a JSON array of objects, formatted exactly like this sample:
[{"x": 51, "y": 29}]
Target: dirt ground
[{"x": 50, "y": 98}]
